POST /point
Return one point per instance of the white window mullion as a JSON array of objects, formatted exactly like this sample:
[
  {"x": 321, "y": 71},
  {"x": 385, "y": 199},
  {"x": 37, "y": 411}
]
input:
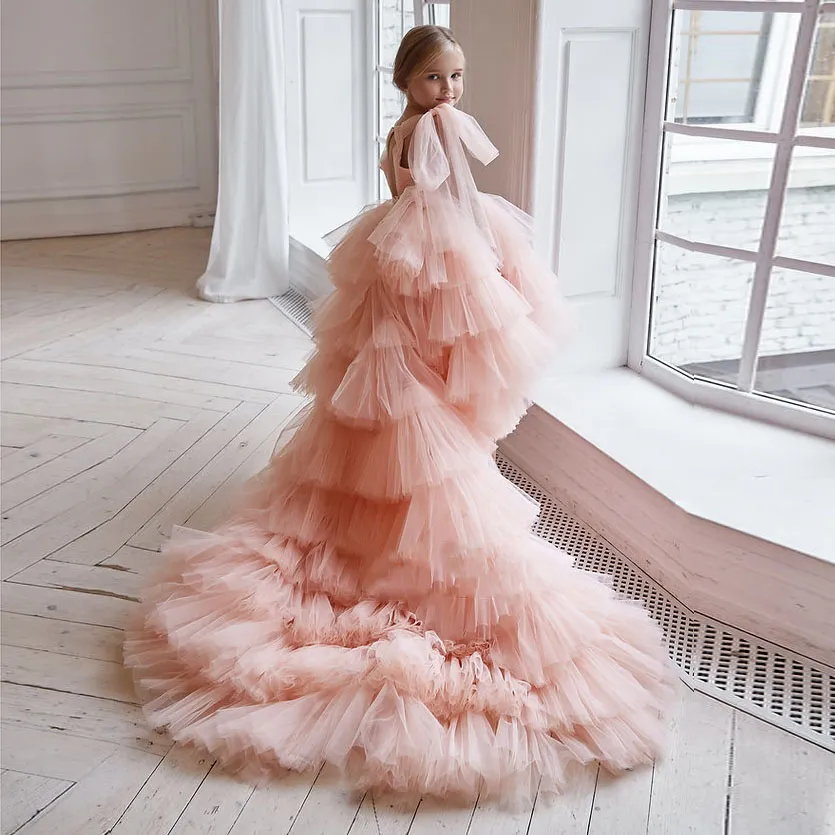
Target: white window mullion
[
  {"x": 801, "y": 266},
  {"x": 777, "y": 194},
  {"x": 739, "y": 6},
  {"x": 705, "y": 248},
  {"x": 812, "y": 141},
  {"x": 711, "y": 132}
]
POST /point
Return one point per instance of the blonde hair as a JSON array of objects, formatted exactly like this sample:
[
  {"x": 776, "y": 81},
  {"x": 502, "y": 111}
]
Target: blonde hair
[{"x": 418, "y": 49}]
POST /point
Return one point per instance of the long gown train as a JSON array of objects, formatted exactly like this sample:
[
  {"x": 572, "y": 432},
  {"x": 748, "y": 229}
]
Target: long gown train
[{"x": 380, "y": 602}]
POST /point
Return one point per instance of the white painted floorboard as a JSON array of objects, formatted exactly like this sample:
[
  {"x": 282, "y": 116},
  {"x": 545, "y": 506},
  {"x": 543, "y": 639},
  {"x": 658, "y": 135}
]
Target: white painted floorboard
[{"x": 130, "y": 407}]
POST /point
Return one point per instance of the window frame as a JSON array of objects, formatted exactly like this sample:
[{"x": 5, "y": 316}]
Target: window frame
[{"x": 742, "y": 399}]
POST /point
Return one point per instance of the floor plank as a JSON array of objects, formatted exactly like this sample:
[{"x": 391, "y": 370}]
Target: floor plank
[
  {"x": 84, "y": 716},
  {"x": 105, "y": 489},
  {"x": 621, "y": 804},
  {"x": 72, "y": 639},
  {"x": 30, "y": 334},
  {"x": 220, "y": 503},
  {"x": 490, "y": 819},
  {"x": 780, "y": 785},
  {"x": 691, "y": 780},
  {"x": 208, "y": 439},
  {"x": 207, "y": 477},
  {"x": 54, "y": 754},
  {"x": 273, "y": 809},
  {"x": 37, "y": 454},
  {"x": 67, "y": 404},
  {"x": 73, "y": 606},
  {"x": 215, "y": 807},
  {"x": 97, "y": 800},
  {"x": 330, "y": 807},
  {"x": 96, "y": 530},
  {"x": 137, "y": 561},
  {"x": 83, "y": 676},
  {"x": 434, "y": 816},
  {"x": 38, "y": 497},
  {"x": 98, "y": 579},
  {"x": 23, "y": 796},
  {"x": 570, "y": 812},
  {"x": 22, "y": 430},
  {"x": 383, "y": 814},
  {"x": 104, "y": 380},
  {"x": 169, "y": 790}
]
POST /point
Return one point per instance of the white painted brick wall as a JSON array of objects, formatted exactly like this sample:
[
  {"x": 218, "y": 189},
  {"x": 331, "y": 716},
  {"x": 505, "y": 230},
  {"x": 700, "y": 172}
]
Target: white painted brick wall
[{"x": 701, "y": 301}]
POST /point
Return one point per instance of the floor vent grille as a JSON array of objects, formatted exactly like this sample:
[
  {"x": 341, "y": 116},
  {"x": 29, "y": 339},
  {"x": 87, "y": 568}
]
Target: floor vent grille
[
  {"x": 296, "y": 308},
  {"x": 779, "y": 686}
]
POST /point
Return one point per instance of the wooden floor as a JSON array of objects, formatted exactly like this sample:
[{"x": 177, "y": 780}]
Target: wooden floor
[{"x": 128, "y": 407}]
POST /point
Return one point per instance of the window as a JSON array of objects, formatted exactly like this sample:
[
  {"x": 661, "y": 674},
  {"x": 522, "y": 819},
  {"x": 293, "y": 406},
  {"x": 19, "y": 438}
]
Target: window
[
  {"x": 740, "y": 266},
  {"x": 819, "y": 101},
  {"x": 393, "y": 18},
  {"x": 723, "y": 68},
  {"x": 721, "y": 63}
]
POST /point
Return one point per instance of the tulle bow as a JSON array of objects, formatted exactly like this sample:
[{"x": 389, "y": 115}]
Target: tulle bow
[{"x": 429, "y": 161}]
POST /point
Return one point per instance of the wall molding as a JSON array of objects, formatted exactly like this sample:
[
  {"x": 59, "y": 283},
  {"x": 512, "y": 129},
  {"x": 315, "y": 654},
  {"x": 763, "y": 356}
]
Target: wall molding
[
  {"x": 184, "y": 113},
  {"x": 573, "y": 42},
  {"x": 180, "y": 71}
]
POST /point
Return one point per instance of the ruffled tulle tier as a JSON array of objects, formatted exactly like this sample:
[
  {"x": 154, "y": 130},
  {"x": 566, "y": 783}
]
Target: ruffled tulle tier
[
  {"x": 247, "y": 632},
  {"x": 379, "y": 602}
]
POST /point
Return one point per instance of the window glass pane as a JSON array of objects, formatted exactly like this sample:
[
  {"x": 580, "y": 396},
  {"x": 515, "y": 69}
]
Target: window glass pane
[
  {"x": 716, "y": 190},
  {"x": 700, "y": 304},
  {"x": 819, "y": 100},
  {"x": 720, "y": 65},
  {"x": 797, "y": 347},
  {"x": 439, "y": 14},
  {"x": 390, "y": 104},
  {"x": 807, "y": 225},
  {"x": 721, "y": 56},
  {"x": 395, "y": 18}
]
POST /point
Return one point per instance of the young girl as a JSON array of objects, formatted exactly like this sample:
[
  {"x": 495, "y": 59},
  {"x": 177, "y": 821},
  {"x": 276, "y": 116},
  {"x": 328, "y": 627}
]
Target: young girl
[{"x": 381, "y": 603}]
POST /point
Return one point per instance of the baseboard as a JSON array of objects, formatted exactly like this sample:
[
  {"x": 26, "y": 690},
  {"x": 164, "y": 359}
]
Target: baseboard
[
  {"x": 760, "y": 587},
  {"x": 17, "y": 225}
]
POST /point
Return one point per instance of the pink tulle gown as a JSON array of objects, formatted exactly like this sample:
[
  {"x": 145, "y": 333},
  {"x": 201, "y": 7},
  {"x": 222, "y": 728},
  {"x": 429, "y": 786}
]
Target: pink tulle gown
[{"x": 380, "y": 603}]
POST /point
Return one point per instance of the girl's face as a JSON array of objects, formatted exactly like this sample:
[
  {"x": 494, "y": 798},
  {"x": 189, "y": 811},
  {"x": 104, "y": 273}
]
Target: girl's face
[{"x": 442, "y": 82}]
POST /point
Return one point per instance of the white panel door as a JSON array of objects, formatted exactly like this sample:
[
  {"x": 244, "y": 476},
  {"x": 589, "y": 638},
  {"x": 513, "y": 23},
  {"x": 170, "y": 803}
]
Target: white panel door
[
  {"x": 108, "y": 115},
  {"x": 328, "y": 125},
  {"x": 591, "y": 76}
]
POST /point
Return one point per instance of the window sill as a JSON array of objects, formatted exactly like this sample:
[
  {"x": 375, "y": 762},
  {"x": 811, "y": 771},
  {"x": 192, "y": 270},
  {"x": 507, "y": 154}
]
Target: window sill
[{"x": 755, "y": 478}]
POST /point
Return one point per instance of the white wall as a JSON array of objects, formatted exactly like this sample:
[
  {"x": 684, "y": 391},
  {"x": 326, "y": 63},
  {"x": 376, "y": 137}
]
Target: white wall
[{"x": 108, "y": 114}]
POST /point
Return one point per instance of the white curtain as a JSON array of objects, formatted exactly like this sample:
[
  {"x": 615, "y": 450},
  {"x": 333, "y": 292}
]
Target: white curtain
[{"x": 250, "y": 243}]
